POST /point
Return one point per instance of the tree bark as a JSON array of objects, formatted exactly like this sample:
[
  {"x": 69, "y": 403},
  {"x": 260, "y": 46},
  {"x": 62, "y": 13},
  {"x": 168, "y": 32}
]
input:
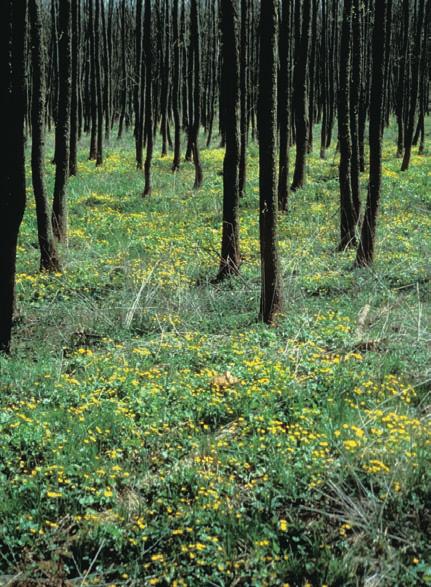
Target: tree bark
[
  {"x": 284, "y": 109},
  {"x": 244, "y": 96},
  {"x": 271, "y": 297},
  {"x": 62, "y": 132},
  {"x": 415, "y": 87},
  {"x": 74, "y": 98},
  {"x": 196, "y": 98},
  {"x": 48, "y": 253},
  {"x": 230, "y": 253},
  {"x": 149, "y": 130},
  {"x": 347, "y": 217},
  {"x": 12, "y": 163},
  {"x": 300, "y": 96},
  {"x": 365, "y": 252},
  {"x": 176, "y": 88}
]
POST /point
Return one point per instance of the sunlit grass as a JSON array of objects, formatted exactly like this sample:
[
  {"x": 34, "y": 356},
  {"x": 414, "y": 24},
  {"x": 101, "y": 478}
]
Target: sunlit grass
[{"x": 122, "y": 459}]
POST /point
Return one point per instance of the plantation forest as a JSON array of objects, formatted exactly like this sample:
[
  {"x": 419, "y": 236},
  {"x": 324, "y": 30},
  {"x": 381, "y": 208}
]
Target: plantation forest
[{"x": 215, "y": 293}]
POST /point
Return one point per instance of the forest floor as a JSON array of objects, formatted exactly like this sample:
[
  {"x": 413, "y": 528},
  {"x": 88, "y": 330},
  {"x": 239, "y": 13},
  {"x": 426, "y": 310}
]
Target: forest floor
[{"x": 128, "y": 457}]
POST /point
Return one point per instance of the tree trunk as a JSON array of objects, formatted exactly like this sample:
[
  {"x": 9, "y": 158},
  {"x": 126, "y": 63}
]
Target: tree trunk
[
  {"x": 148, "y": 56},
  {"x": 400, "y": 112},
  {"x": 176, "y": 89},
  {"x": 230, "y": 253},
  {"x": 271, "y": 298},
  {"x": 123, "y": 70},
  {"x": 74, "y": 97},
  {"x": 355, "y": 91},
  {"x": 99, "y": 155},
  {"x": 415, "y": 87},
  {"x": 196, "y": 98},
  {"x": 347, "y": 217},
  {"x": 62, "y": 132},
  {"x": 244, "y": 95},
  {"x": 300, "y": 95},
  {"x": 12, "y": 168},
  {"x": 365, "y": 252},
  {"x": 284, "y": 108},
  {"x": 48, "y": 253},
  {"x": 93, "y": 82}
]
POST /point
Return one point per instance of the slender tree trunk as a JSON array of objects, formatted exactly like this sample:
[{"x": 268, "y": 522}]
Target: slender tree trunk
[
  {"x": 149, "y": 126},
  {"x": 99, "y": 155},
  {"x": 176, "y": 89},
  {"x": 365, "y": 86},
  {"x": 324, "y": 80},
  {"x": 12, "y": 169},
  {"x": 48, "y": 254},
  {"x": 74, "y": 97},
  {"x": 93, "y": 82},
  {"x": 244, "y": 95},
  {"x": 347, "y": 216},
  {"x": 284, "y": 108},
  {"x": 55, "y": 67},
  {"x": 311, "y": 104},
  {"x": 300, "y": 96},
  {"x": 402, "y": 78},
  {"x": 365, "y": 252},
  {"x": 62, "y": 132},
  {"x": 123, "y": 70},
  {"x": 196, "y": 123},
  {"x": 166, "y": 72},
  {"x": 415, "y": 87},
  {"x": 138, "y": 94},
  {"x": 355, "y": 91},
  {"x": 271, "y": 297},
  {"x": 425, "y": 82},
  {"x": 230, "y": 253},
  {"x": 107, "y": 73}
]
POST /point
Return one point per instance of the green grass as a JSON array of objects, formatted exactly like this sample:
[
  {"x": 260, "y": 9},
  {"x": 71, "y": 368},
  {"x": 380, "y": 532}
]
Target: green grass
[{"x": 121, "y": 463}]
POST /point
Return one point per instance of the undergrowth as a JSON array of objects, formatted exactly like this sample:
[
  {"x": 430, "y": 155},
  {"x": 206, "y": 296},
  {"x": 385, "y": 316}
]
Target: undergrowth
[{"x": 154, "y": 432}]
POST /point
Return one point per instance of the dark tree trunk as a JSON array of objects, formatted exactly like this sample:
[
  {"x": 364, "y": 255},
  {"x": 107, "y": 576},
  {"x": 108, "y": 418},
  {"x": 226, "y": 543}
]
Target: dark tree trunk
[
  {"x": 48, "y": 253},
  {"x": 311, "y": 104},
  {"x": 324, "y": 80},
  {"x": 93, "y": 81},
  {"x": 149, "y": 126},
  {"x": 284, "y": 108},
  {"x": 62, "y": 131},
  {"x": 53, "y": 86},
  {"x": 244, "y": 95},
  {"x": 365, "y": 252},
  {"x": 107, "y": 73},
  {"x": 347, "y": 217},
  {"x": 184, "y": 86},
  {"x": 123, "y": 70},
  {"x": 12, "y": 169},
  {"x": 195, "y": 46},
  {"x": 410, "y": 127},
  {"x": 214, "y": 75},
  {"x": 332, "y": 72},
  {"x": 425, "y": 82},
  {"x": 388, "y": 44},
  {"x": 271, "y": 297},
  {"x": 176, "y": 89},
  {"x": 355, "y": 91},
  {"x": 99, "y": 92},
  {"x": 230, "y": 253},
  {"x": 401, "y": 88},
  {"x": 365, "y": 86},
  {"x": 166, "y": 72},
  {"x": 74, "y": 97},
  {"x": 139, "y": 87},
  {"x": 300, "y": 95}
]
